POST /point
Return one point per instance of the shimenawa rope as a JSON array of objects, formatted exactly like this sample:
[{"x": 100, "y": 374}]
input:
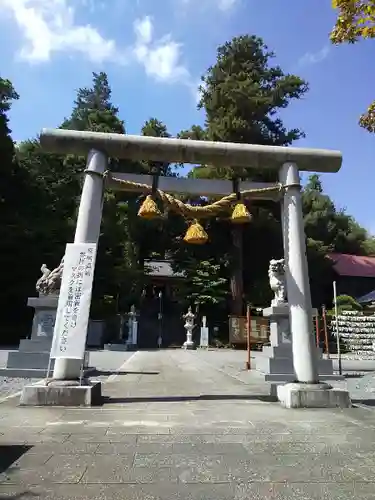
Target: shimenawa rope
[{"x": 185, "y": 208}]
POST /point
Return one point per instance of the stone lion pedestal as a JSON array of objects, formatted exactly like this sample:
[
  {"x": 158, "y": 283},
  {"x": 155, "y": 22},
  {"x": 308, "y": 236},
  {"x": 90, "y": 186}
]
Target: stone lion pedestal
[
  {"x": 275, "y": 362},
  {"x": 31, "y": 359}
]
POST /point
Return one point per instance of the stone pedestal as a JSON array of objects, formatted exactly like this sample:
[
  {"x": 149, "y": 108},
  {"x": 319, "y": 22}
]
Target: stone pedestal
[
  {"x": 58, "y": 393},
  {"x": 275, "y": 362},
  {"x": 44, "y": 316},
  {"x": 297, "y": 395},
  {"x": 31, "y": 359}
]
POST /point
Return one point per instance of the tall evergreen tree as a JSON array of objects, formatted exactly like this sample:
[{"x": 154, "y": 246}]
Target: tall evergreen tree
[
  {"x": 242, "y": 95},
  {"x": 18, "y": 206}
]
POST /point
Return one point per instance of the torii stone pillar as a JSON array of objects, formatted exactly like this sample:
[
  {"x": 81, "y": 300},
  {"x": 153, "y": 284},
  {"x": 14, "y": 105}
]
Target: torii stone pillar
[
  {"x": 297, "y": 277},
  {"x": 87, "y": 231},
  {"x": 306, "y": 391}
]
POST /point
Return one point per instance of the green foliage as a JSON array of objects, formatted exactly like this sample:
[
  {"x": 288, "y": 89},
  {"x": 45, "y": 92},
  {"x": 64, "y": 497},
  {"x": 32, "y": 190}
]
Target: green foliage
[
  {"x": 93, "y": 109},
  {"x": 205, "y": 285},
  {"x": 336, "y": 230},
  {"x": 347, "y": 303},
  {"x": 17, "y": 238},
  {"x": 328, "y": 230},
  {"x": 242, "y": 93}
]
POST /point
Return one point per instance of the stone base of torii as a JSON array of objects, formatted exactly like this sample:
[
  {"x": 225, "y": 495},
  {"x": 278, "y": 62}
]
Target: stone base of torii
[{"x": 306, "y": 390}]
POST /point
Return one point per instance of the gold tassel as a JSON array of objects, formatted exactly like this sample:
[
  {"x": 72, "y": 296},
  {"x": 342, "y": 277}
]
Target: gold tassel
[
  {"x": 149, "y": 209},
  {"x": 240, "y": 214},
  {"x": 196, "y": 235}
]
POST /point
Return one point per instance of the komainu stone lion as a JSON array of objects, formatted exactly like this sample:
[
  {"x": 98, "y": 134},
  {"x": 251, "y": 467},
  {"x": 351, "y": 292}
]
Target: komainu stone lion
[
  {"x": 50, "y": 281},
  {"x": 276, "y": 274}
]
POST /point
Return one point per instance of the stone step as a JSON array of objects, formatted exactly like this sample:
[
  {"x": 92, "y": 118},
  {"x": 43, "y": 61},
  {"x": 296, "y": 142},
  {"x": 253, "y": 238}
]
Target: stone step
[
  {"x": 118, "y": 347},
  {"x": 32, "y": 372},
  {"x": 279, "y": 365},
  {"x": 285, "y": 377},
  {"x": 35, "y": 360},
  {"x": 23, "y": 372},
  {"x": 35, "y": 345},
  {"x": 38, "y": 360},
  {"x": 282, "y": 350}
]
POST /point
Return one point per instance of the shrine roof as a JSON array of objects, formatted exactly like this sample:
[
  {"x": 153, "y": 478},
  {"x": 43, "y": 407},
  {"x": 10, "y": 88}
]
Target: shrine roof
[
  {"x": 161, "y": 269},
  {"x": 353, "y": 265}
]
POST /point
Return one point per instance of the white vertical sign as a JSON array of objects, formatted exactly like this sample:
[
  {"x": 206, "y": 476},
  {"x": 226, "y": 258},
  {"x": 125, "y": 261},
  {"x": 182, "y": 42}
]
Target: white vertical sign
[
  {"x": 69, "y": 336},
  {"x": 204, "y": 336}
]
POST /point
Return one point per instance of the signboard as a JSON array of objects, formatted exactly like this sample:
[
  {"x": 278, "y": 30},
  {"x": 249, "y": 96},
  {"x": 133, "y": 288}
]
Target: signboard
[
  {"x": 238, "y": 329},
  {"x": 204, "y": 336},
  {"x": 69, "y": 336}
]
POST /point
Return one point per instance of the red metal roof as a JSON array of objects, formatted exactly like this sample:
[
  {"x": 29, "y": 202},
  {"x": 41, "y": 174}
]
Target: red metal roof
[{"x": 353, "y": 265}]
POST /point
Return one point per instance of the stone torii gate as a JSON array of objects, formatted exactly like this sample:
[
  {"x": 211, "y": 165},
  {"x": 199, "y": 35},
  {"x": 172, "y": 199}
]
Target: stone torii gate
[{"x": 98, "y": 147}]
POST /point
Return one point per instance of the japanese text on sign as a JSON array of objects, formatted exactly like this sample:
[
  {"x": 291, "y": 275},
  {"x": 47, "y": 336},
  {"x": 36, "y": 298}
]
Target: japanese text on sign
[{"x": 74, "y": 301}]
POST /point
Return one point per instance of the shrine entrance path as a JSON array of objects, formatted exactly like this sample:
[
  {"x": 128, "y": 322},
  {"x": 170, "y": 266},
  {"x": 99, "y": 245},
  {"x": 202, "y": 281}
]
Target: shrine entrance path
[{"x": 179, "y": 425}]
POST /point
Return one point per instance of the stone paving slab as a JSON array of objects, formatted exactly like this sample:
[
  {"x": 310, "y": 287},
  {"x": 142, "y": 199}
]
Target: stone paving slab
[{"x": 212, "y": 437}]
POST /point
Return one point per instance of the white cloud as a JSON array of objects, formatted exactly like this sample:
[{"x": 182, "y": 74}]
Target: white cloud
[
  {"x": 50, "y": 26},
  {"x": 143, "y": 30},
  {"x": 226, "y": 5},
  {"x": 160, "y": 58},
  {"x": 223, "y": 5},
  {"x": 314, "y": 57}
]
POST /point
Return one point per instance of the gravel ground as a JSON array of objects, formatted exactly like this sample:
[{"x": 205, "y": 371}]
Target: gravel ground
[
  {"x": 363, "y": 389},
  {"x": 106, "y": 362},
  {"x": 11, "y": 385}
]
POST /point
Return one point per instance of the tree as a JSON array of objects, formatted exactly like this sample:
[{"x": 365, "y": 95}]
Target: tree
[
  {"x": 356, "y": 21},
  {"x": 60, "y": 179},
  {"x": 117, "y": 274},
  {"x": 328, "y": 230},
  {"x": 93, "y": 109},
  {"x": 333, "y": 228},
  {"x": 205, "y": 285},
  {"x": 242, "y": 95},
  {"x": 20, "y": 202}
]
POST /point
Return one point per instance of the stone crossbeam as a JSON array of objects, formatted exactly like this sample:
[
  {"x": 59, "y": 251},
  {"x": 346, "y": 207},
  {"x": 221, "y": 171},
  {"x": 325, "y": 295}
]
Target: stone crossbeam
[
  {"x": 189, "y": 151},
  {"x": 197, "y": 187}
]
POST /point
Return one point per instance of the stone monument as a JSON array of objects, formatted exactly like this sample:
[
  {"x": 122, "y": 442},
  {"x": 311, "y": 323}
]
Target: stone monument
[
  {"x": 132, "y": 339},
  {"x": 204, "y": 341},
  {"x": 275, "y": 362},
  {"x": 32, "y": 357}
]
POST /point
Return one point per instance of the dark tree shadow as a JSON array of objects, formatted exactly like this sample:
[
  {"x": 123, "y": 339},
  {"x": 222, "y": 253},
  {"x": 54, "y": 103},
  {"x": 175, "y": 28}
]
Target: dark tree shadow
[
  {"x": 10, "y": 454},
  {"x": 201, "y": 397},
  {"x": 366, "y": 402},
  {"x": 107, "y": 373}
]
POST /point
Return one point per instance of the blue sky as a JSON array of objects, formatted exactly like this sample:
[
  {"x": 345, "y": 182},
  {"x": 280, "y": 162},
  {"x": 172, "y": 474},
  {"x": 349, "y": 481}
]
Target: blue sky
[{"x": 155, "y": 52}]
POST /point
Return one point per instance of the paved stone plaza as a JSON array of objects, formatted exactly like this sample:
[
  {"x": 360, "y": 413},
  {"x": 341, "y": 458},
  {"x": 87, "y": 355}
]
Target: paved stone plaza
[{"x": 179, "y": 425}]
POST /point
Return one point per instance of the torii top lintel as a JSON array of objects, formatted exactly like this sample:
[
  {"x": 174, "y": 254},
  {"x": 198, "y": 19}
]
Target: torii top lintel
[{"x": 189, "y": 151}]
